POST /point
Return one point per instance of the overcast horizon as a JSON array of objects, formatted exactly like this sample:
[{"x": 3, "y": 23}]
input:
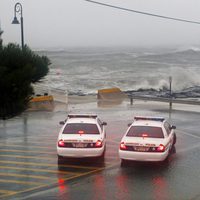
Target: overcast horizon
[{"x": 75, "y": 23}]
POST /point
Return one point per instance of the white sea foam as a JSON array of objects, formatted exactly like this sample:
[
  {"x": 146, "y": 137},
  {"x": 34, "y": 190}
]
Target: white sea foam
[
  {"x": 188, "y": 48},
  {"x": 85, "y": 71},
  {"x": 184, "y": 78}
]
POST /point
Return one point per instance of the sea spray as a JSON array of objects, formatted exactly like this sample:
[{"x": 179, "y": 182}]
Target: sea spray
[{"x": 83, "y": 71}]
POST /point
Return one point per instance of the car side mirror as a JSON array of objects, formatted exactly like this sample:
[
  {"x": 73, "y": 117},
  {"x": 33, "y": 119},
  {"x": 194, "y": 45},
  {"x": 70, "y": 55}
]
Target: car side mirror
[
  {"x": 129, "y": 124},
  {"x": 104, "y": 123},
  {"x": 173, "y": 127},
  {"x": 61, "y": 122}
]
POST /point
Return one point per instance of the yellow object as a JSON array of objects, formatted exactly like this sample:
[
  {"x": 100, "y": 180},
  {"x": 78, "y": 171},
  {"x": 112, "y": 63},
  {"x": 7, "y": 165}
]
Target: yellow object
[
  {"x": 109, "y": 90},
  {"x": 110, "y": 94},
  {"x": 41, "y": 98},
  {"x": 45, "y": 102}
]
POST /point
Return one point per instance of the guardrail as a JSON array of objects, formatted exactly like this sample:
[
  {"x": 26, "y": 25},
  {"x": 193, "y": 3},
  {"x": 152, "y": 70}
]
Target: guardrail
[{"x": 162, "y": 99}]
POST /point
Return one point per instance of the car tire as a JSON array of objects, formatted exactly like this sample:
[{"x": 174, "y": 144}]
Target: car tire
[
  {"x": 123, "y": 162},
  {"x": 173, "y": 149},
  {"x": 102, "y": 156},
  {"x": 60, "y": 159}
]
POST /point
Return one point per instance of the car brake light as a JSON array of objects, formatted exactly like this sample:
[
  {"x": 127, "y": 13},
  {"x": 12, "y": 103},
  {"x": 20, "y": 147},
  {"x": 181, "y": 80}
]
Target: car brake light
[
  {"x": 80, "y": 132},
  {"x": 144, "y": 135},
  {"x": 61, "y": 143},
  {"x": 123, "y": 146},
  {"x": 98, "y": 144},
  {"x": 161, "y": 148}
]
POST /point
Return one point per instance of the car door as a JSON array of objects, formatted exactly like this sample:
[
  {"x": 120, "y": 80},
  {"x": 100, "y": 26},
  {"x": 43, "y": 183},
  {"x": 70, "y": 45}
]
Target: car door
[
  {"x": 102, "y": 128},
  {"x": 169, "y": 132}
]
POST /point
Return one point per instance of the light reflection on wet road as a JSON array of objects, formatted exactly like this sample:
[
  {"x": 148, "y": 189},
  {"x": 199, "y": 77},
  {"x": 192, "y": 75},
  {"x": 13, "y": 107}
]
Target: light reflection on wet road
[{"x": 29, "y": 168}]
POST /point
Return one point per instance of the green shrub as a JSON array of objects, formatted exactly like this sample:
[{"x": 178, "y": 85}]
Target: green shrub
[{"x": 18, "y": 69}]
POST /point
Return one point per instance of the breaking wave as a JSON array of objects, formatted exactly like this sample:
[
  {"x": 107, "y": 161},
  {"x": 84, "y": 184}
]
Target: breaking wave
[{"x": 142, "y": 71}]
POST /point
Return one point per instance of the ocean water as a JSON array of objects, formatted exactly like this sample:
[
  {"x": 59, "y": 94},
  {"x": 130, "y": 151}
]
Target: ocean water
[{"x": 139, "y": 71}]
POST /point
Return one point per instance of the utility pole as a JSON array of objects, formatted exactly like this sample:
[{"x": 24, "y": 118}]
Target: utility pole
[{"x": 170, "y": 92}]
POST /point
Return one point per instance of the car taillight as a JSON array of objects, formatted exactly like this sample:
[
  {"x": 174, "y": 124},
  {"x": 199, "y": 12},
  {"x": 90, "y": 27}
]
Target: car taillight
[
  {"x": 123, "y": 146},
  {"x": 161, "y": 148},
  {"x": 61, "y": 143},
  {"x": 81, "y": 132},
  {"x": 98, "y": 144},
  {"x": 144, "y": 135}
]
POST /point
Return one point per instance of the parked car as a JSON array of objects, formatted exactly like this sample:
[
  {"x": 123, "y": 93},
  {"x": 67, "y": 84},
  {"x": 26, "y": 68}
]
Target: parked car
[
  {"x": 147, "y": 139},
  {"x": 82, "y": 135}
]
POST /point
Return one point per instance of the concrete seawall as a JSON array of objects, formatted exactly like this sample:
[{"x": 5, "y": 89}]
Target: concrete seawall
[{"x": 58, "y": 94}]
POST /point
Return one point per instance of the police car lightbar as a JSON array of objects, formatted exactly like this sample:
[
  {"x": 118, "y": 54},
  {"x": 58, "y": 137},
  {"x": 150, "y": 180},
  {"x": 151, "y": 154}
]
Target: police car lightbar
[
  {"x": 82, "y": 116},
  {"x": 161, "y": 119}
]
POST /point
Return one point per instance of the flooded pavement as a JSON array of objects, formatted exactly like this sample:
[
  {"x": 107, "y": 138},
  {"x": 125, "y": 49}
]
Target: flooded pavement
[{"x": 29, "y": 168}]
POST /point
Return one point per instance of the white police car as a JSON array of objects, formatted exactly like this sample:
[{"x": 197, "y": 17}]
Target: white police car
[
  {"x": 147, "y": 139},
  {"x": 82, "y": 135}
]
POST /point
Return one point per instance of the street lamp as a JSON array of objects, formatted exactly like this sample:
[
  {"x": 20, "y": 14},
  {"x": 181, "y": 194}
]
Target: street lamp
[{"x": 18, "y": 9}]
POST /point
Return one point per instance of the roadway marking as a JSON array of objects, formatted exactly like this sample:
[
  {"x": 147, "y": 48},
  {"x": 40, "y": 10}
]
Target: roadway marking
[
  {"x": 65, "y": 179},
  {"x": 8, "y": 192},
  {"x": 53, "y": 182},
  {"x": 21, "y": 182},
  {"x": 53, "y": 142},
  {"x": 190, "y": 147},
  {"x": 38, "y": 170},
  {"x": 27, "y": 151},
  {"x": 32, "y": 157},
  {"x": 44, "y": 164},
  {"x": 29, "y": 146},
  {"x": 28, "y": 163},
  {"x": 25, "y": 176},
  {"x": 41, "y": 139},
  {"x": 189, "y": 134},
  {"x": 21, "y": 191},
  {"x": 47, "y": 158}
]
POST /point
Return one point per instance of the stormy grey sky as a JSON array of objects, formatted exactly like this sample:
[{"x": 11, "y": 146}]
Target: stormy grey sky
[{"x": 63, "y": 23}]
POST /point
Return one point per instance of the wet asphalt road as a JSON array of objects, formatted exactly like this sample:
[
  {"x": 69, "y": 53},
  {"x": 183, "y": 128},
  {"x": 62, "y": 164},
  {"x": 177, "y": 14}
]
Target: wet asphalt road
[{"x": 29, "y": 167}]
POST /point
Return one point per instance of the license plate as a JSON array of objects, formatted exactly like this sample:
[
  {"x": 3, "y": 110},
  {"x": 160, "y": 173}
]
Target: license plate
[
  {"x": 79, "y": 145},
  {"x": 141, "y": 149}
]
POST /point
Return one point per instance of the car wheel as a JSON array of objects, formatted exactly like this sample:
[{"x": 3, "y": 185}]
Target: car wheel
[
  {"x": 123, "y": 163},
  {"x": 60, "y": 159},
  {"x": 102, "y": 156},
  {"x": 173, "y": 150}
]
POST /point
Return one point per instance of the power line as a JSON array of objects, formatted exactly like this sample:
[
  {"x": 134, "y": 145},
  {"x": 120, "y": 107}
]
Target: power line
[{"x": 143, "y": 13}]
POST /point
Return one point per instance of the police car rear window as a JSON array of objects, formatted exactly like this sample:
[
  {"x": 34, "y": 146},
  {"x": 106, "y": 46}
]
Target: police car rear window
[
  {"x": 145, "y": 131},
  {"x": 81, "y": 128}
]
